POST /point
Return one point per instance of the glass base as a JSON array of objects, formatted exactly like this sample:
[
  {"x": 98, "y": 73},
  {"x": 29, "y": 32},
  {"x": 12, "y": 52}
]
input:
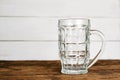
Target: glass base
[{"x": 74, "y": 71}]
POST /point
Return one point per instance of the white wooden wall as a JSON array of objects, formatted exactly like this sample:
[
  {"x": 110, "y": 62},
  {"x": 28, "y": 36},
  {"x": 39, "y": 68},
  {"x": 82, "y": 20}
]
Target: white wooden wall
[{"x": 28, "y": 28}]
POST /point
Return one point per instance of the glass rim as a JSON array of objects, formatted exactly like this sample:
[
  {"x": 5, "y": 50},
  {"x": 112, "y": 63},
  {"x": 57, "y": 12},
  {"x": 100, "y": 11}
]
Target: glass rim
[{"x": 74, "y": 19}]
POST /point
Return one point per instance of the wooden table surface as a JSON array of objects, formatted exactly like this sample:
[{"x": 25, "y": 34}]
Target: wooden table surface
[{"x": 50, "y": 70}]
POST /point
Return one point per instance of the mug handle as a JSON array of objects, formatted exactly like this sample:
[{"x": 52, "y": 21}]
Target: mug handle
[{"x": 101, "y": 35}]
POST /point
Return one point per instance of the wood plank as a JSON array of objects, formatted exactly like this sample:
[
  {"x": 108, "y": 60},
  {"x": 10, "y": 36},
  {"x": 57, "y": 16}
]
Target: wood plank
[
  {"x": 92, "y": 8},
  {"x": 50, "y": 70},
  {"x": 49, "y": 50},
  {"x": 38, "y": 28}
]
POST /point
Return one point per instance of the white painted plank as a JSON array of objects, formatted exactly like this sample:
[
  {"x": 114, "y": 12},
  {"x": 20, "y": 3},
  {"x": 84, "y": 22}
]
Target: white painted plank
[
  {"x": 37, "y": 28},
  {"x": 49, "y": 50},
  {"x": 84, "y": 8},
  {"x": 28, "y": 50},
  {"x": 110, "y": 27},
  {"x": 28, "y": 29}
]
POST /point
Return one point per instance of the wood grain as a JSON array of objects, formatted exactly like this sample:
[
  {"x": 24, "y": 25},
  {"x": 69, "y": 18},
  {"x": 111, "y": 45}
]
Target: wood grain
[{"x": 50, "y": 70}]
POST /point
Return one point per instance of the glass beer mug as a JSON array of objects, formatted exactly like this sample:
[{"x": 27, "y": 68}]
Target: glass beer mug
[{"x": 74, "y": 45}]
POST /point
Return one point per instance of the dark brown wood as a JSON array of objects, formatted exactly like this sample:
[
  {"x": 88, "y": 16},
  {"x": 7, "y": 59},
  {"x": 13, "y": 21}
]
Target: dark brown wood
[{"x": 50, "y": 70}]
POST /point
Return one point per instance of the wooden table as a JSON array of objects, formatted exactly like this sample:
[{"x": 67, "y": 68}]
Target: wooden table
[{"x": 50, "y": 70}]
